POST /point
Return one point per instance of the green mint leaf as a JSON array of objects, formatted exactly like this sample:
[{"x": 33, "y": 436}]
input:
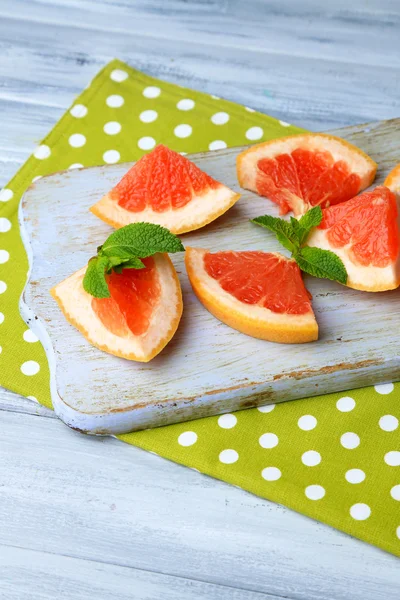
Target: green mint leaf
[
  {"x": 132, "y": 263},
  {"x": 94, "y": 281},
  {"x": 321, "y": 263},
  {"x": 283, "y": 230},
  {"x": 311, "y": 219},
  {"x": 140, "y": 240}
]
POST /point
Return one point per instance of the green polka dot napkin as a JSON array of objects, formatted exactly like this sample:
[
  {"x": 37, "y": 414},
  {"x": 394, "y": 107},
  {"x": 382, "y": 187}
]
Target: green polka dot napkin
[{"x": 336, "y": 460}]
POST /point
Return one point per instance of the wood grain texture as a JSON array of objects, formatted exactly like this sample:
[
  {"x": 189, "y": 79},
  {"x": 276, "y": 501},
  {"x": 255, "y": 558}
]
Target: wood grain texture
[
  {"x": 343, "y": 71},
  {"x": 224, "y": 370},
  {"x": 99, "y": 500},
  {"x": 44, "y": 576}
]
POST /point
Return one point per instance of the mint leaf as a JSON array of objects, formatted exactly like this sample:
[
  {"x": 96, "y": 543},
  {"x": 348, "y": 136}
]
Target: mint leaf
[
  {"x": 283, "y": 230},
  {"x": 133, "y": 263},
  {"x": 115, "y": 263},
  {"x": 311, "y": 219},
  {"x": 94, "y": 281},
  {"x": 321, "y": 263},
  {"x": 140, "y": 240}
]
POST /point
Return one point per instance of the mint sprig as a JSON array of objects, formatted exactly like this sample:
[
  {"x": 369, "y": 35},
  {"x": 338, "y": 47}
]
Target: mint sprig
[
  {"x": 123, "y": 249},
  {"x": 294, "y": 233}
]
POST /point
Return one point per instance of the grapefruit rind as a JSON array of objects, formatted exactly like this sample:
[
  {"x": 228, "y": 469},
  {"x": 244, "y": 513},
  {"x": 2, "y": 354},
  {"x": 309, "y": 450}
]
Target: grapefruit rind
[
  {"x": 255, "y": 321},
  {"x": 392, "y": 181},
  {"x": 76, "y": 304},
  {"x": 359, "y": 277},
  {"x": 197, "y": 213},
  {"x": 360, "y": 163}
]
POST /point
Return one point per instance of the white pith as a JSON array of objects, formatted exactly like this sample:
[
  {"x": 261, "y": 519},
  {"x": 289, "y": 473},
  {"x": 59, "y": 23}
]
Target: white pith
[
  {"x": 77, "y": 304},
  {"x": 356, "y": 161},
  {"x": 200, "y": 210},
  {"x": 359, "y": 276},
  {"x": 232, "y": 304}
]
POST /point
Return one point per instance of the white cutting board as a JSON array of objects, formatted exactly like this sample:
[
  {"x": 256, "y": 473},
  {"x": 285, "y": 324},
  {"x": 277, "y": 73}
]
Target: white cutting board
[{"x": 207, "y": 368}]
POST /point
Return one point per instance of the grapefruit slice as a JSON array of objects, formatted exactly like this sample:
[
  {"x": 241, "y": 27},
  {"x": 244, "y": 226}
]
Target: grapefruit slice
[
  {"x": 258, "y": 293},
  {"x": 141, "y": 315},
  {"x": 392, "y": 181},
  {"x": 165, "y": 188},
  {"x": 364, "y": 233},
  {"x": 302, "y": 171}
]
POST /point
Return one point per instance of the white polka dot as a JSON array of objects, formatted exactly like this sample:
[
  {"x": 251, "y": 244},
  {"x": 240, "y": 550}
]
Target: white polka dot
[
  {"x": 42, "y": 152},
  {"x": 360, "y": 511},
  {"x": 146, "y": 143},
  {"x": 249, "y": 109},
  {"x": 75, "y": 166},
  {"x": 4, "y": 256},
  {"x": 77, "y": 140},
  {"x": 30, "y": 367},
  {"x": 151, "y": 92},
  {"x": 115, "y": 101},
  {"x": 384, "y": 388},
  {"x": 227, "y": 421},
  {"x": 220, "y": 118},
  {"x": 112, "y": 128},
  {"x": 392, "y": 458},
  {"x": 111, "y": 156},
  {"x": 314, "y": 492},
  {"x": 78, "y": 111},
  {"x": 5, "y": 225},
  {"x": 217, "y": 145},
  {"x": 6, "y": 195},
  {"x": 1, "y": 318},
  {"x": 311, "y": 458},
  {"x": 118, "y": 75},
  {"x": 254, "y": 133},
  {"x": 268, "y": 440},
  {"x": 228, "y": 456},
  {"x": 388, "y": 423},
  {"x": 266, "y": 409},
  {"x": 350, "y": 440},
  {"x": 3, "y": 287},
  {"x": 1, "y": 349},
  {"x": 398, "y": 532},
  {"x": 307, "y": 422},
  {"x": 345, "y": 404},
  {"x": 29, "y": 336},
  {"x": 271, "y": 474},
  {"x": 188, "y": 438},
  {"x": 183, "y": 130},
  {"x": 148, "y": 116},
  {"x": 36, "y": 178},
  {"x": 284, "y": 124},
  {"x": 395, "y": 492},
  {"x": 355, "y": 475},
  {"x": 185, "y": 104}
]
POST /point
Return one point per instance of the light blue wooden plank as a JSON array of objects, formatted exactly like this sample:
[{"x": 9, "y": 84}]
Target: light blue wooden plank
[
  {"x": 104, "y": 501},
  {"x": 310, "y": 29},
  {"x": 332, "y": 93},
  {"x": 36, "y": 575}
]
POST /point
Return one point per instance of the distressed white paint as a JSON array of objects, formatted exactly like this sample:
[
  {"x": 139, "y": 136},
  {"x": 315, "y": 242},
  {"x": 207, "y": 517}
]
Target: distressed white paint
[
  {"x": 313, "y": 63},
  {"x": 208, "y": 368}
]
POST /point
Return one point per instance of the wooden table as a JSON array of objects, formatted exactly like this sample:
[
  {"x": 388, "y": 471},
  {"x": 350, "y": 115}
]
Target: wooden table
[{"x": 84, "y": 518}]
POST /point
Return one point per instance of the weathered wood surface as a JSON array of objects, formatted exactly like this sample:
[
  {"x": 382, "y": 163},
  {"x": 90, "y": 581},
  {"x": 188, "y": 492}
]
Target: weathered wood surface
[
  {"x": 102, "y": 501},
  {"x": 224, "y": 370},
  {"x": 316, "y": 64}
]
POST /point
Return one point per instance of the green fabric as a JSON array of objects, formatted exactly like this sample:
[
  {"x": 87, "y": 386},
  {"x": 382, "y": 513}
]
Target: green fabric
[{"x": 336, "y": 460}]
